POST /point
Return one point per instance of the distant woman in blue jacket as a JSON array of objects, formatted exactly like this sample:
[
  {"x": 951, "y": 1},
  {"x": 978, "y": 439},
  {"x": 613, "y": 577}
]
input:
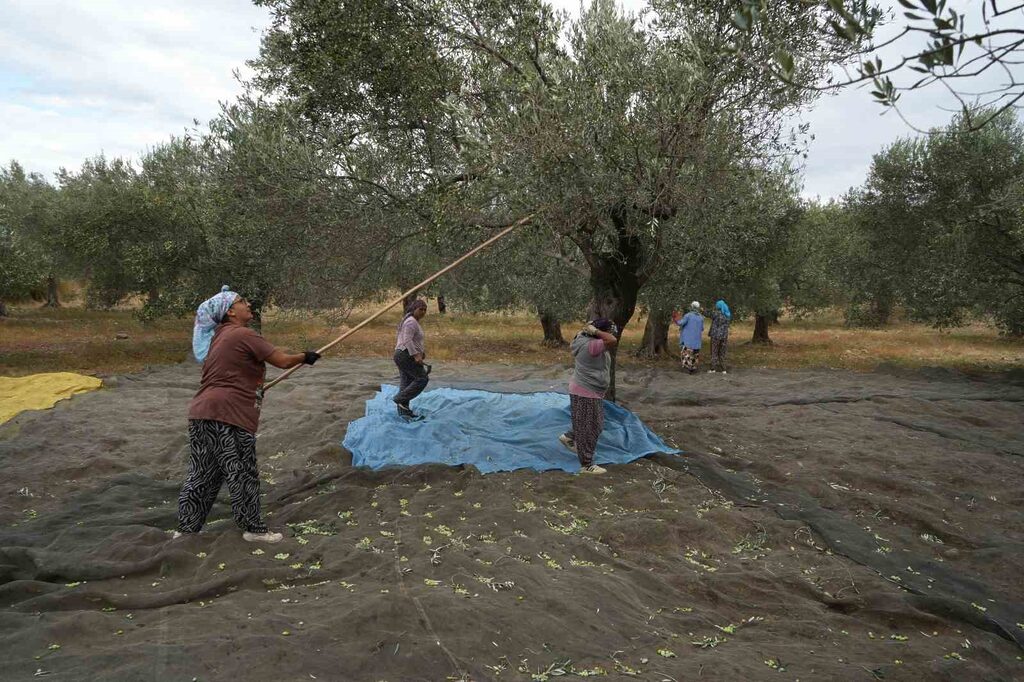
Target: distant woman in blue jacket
[{"x": 691, "y": 329}]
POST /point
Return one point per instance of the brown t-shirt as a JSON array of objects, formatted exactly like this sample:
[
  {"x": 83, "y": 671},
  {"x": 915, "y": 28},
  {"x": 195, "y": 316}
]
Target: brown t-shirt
[{"x": 233, "y": 370}]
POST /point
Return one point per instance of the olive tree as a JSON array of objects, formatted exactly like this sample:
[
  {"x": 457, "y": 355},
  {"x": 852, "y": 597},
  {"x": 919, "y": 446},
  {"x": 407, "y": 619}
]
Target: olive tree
[
  {"x": 21, "y": 263},
  {"x": 605, "y": 128},
  {"x": 30, "y": 241},
  {"x": 131, "y": 231},
  {"x": 940, "y": 225}
]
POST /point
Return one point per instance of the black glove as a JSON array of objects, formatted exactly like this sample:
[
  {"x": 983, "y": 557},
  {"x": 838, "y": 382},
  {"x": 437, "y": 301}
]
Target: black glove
[
  {"x": 311, "y": 357},
  {"x": 427, "y": 368}
]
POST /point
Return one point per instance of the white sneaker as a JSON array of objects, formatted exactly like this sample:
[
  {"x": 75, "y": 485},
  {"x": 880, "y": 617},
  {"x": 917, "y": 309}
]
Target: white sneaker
[
  {"x": 711, "y": 371},
  {"x": 724, "y": 372},
  {"x": 176, "y": 534},
  {"x": 593, "y": 469},
  {"x": 567, "y": 442},
  {"x": 267, "y": 537}
]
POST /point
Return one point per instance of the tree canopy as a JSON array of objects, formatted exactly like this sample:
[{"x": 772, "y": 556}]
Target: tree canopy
[
  {"x": 24, "y": 213},
  {"x": 938, "y": 225},
  {"x": 379, "y": 139},
  {"x": 610, "y": 130}
]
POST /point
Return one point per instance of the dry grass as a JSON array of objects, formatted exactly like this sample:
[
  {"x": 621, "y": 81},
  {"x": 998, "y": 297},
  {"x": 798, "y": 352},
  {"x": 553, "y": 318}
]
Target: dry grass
[{"x": 74, "y": 339}]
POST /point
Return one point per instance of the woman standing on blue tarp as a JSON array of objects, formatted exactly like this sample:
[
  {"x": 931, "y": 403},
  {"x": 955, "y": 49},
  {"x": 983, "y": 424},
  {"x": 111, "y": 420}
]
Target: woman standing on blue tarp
[
  {"x": 590, "y": 378},
  {"x": 410, "y": 354},
  {"x": 721, "y": 316},
  {"x": 691, "y": 329}
]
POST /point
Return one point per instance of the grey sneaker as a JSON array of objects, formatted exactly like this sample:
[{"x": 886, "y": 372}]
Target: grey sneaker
[
  {"x": 267, "y": 537},
  {"x": 593, "y": 469},
  {"x": 567, "y": 442}
]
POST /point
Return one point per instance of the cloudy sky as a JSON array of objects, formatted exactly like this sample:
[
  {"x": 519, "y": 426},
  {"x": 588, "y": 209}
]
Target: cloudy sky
[{"x": 118, "y": 76}]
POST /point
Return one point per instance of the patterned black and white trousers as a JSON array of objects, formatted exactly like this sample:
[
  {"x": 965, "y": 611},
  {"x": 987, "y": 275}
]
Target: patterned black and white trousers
[
  {"x": 718, "y": 348},
  {"x": 220, "y": 452},
  {"x": 690, "y": 358},
  {"x": 587, "y": 424}
]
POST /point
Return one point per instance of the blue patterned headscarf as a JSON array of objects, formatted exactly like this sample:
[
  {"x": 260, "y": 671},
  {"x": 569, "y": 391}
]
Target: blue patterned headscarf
[
  {"x": 723, "y": 308},
  {"x": 209, "y": 314}
]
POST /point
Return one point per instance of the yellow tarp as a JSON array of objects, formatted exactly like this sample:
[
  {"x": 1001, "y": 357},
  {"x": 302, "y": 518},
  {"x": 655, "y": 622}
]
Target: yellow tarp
[{"x": 41, "y": 391}]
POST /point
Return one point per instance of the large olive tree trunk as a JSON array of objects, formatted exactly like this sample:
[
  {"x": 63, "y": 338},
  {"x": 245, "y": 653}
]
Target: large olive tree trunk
[
  {"x": 615, "y": 287},
  {"x": 552, "y": 329},
  {"x": 52, "y": 299},
  {"x": 616, "y": 276},
  {"x": 655, "y": 341},
  {"x": 760, "y": 329}
]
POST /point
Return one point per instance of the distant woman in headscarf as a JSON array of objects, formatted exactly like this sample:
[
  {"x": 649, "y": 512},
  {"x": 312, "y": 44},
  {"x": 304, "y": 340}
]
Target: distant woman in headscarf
[
  {"x": 224, "y": 414},
  {"x": 721, "y": 316},
  {"x": 590, "y": 378},
  {"x": 410, "y": 354},
  {"x": 691, "y": 329}
]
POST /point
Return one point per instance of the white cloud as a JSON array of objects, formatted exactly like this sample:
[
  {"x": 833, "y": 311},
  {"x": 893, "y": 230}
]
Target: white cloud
[
  {"x": 117, "y": 77},
  {"x": 850, "y": 128},
  {"x": 78, "y": 78}
]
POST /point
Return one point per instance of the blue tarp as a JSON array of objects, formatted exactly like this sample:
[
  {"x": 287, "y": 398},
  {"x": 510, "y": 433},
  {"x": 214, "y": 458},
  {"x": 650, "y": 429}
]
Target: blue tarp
[{"x": 491, "y": 431}]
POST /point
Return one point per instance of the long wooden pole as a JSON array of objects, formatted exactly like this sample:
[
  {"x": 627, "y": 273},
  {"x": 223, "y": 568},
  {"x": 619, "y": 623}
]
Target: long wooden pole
[{"x": 519, "y": 223}]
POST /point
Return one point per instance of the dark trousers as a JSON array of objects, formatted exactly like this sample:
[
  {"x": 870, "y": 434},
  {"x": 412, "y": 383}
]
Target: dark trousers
[
  {"x": 718, "y": 347},
  {"x": 414, "y": 377},
  {"x": 220, "y": 452}
]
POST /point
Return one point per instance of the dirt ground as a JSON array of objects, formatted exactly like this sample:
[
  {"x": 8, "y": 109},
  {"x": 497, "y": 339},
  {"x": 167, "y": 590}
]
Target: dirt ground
[{"x": 822, "y": 525}]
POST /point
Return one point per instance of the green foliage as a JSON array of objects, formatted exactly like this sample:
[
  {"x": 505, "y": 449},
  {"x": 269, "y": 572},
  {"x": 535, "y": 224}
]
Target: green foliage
[
  {"x": 819, "y": 249},
  {"x": 19, "y": 268},
  {"x": 26, "y": 224},
  {"x": 132, "y": 232},
  {"x": 610, "y": 131},
  {"x": 742, "y": 245},
  {"x": 939, "y": 226},
  {"x": 531, "y": 268},
  {"x": 272, "y": 226},
  {"x": 252, "y": 204},
  {"x": 886, "y": 216}
]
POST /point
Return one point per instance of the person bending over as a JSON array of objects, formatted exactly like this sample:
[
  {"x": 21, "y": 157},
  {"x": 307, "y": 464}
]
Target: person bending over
[
  {"x": 590, "y": 378},
  {"x": 224, "y": 414}
]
